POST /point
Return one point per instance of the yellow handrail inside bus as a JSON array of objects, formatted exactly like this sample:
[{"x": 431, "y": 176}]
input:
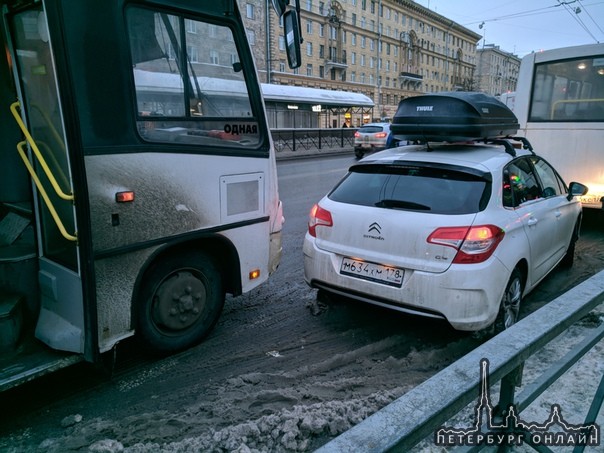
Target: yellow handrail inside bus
[
  {"x": 49, "y": 205},
  {"x": 13, "y": 108},
  {"x": 571, "y": 101}
]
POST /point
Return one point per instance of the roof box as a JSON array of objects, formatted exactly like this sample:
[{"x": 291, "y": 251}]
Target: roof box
[{"x": 453, "y": 116}]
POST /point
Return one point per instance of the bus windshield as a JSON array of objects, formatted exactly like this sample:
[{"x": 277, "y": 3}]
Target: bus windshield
[{"x": 190, "y": 87}]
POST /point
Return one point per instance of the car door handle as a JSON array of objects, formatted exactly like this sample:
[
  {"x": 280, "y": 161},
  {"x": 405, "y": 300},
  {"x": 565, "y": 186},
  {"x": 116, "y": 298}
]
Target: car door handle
[
  {"x": 558, "y": 214},
  {"x": 532, "y": 221}
]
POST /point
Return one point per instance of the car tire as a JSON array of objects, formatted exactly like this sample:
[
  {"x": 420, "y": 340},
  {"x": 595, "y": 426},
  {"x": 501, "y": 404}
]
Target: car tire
[
  {"x": 509, "y": 308},
  {"x": 359, "y": 154},
  {"x": 180, "y": 301},
  {"x": 569, "y": 257}
]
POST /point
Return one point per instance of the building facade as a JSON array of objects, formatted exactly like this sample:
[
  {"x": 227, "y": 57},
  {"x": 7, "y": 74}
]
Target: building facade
[
  {"x": 385, "y": 49},
  {"x": 496, "y": 70}
]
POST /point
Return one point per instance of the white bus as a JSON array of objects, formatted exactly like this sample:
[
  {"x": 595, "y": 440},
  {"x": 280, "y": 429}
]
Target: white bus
[
  {"x": 559, "y": 103},
  {"x": 124, "y": 212}
]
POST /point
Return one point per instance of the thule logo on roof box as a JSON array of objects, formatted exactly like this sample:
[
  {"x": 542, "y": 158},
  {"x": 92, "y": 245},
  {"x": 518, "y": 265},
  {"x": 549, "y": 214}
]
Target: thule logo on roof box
[{"x": 424, "y": 108}]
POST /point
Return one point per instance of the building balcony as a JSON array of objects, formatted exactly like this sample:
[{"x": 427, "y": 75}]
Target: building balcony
[
  {"x": 336, "y": 63},
  {"x": 408, "y": 79}
]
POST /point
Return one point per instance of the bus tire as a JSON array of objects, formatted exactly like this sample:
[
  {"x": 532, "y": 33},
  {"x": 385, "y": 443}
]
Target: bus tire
[{"x": 181, "y": 300}]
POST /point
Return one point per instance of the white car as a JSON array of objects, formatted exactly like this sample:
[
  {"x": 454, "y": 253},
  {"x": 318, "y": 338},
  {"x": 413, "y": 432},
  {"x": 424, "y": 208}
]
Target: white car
[
  {"x": 457, "y": 231},
  {"x": 372, "y": 137}
]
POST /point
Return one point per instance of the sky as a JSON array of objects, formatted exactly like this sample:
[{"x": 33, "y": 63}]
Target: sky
[{"x": 524, "y": 26}]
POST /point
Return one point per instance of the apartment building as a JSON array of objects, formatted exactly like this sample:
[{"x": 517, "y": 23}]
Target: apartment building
[
  {"x": 385, "y": 49},
  {"x": 496, "y": 70}
]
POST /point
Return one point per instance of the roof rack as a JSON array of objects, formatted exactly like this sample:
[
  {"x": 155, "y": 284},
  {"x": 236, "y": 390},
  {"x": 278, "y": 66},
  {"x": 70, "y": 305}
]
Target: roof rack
[
  {"x": 453, "y": 116},
  {"x": 509, "y": 148}
]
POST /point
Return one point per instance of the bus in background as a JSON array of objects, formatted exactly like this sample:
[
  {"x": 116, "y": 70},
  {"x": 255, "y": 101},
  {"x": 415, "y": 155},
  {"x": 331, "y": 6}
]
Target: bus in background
[
  {"x": 559, "y": 103},
  {"x": 121, "y": 212}
]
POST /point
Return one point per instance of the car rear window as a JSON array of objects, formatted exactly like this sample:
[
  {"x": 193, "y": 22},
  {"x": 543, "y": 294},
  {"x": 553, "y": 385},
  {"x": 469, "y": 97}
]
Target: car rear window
[
  {"x": 413, "y": 187},
  {"x": 371, "y": 129}
]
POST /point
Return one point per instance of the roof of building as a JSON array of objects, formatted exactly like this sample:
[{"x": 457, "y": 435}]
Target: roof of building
[{"x": 285, "y": 93}]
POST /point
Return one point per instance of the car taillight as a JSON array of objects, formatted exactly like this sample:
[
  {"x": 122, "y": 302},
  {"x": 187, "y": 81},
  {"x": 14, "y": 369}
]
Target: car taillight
[
  {"x": 357, "y": 134},
  {"x": 318, "y": 217},
  {"x": 381, "y": 135},
  {"x": 473, "y": 244}
]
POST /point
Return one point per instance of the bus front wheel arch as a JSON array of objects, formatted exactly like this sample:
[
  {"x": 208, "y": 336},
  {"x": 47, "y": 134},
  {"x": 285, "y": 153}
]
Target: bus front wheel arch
[{"x": 181, "y": 298}]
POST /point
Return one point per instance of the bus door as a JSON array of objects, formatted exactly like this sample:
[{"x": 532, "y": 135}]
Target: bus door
[{"x": 60, "y": 321}]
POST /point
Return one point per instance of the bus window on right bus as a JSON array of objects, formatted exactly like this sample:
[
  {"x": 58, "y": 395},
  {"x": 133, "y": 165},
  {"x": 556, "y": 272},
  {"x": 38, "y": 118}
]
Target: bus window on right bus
[{"x": 569, "y": 90}]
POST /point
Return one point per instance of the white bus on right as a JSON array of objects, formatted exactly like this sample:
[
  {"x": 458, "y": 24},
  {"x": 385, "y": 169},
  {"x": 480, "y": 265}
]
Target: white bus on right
[{"x": 559, "y": 103}]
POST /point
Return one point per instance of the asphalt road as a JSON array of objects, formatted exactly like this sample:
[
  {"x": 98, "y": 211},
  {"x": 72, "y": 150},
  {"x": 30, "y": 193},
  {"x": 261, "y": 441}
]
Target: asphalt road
[{"x": 278, "y": 373}]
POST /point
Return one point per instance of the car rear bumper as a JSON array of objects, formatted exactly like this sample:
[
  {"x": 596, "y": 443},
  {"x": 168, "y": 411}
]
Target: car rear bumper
[{"x": 467, "y": 296}]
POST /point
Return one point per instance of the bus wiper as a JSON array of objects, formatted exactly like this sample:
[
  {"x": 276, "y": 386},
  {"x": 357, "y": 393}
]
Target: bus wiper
[{"x": 400, "y": 204}]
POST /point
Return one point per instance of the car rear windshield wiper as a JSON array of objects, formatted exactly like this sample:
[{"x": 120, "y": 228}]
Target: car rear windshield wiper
[{"x": 399, "y": 204}]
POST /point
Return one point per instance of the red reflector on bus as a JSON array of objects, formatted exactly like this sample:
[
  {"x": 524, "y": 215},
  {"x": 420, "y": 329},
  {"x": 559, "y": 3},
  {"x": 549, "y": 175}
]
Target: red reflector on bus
[{"x": 124, "y": 197}]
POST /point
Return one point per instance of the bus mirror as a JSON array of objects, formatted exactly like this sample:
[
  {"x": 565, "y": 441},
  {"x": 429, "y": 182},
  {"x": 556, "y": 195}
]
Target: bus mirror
[
  {"x": 280, "y": 6},
  {"x": 291, "y": 28}
]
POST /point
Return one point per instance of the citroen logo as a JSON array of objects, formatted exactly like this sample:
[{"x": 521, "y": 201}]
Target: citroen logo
[{"x": 375, "y": 227}]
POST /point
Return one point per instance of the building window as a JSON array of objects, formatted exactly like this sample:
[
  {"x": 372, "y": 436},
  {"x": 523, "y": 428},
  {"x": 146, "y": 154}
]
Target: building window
[
  {"x": 321, "y": 51},
  {"x": 192, "y": 54},
  {"x": 353, "y": 58},
  {"x": 309, "y": 5},
  {"x": 309, "y": 27},
  {"x": 309, "y": 49},
  {"x": 281, "y": 43},
  {"x": 309, "y": 70},
  {"x": 322, "y": 71},
  {"x": 353, "y": 76},
  {"x": 321, "y": 30},
  {"x": 214, "y": 57},
  {"x": 363, "y": 40},
  {"x": 281, "y": 66},
  {"x": 191, "y": 26},
  {"x": 353, "y": 39},
  {"x": 251, "y": 37},
  {"x": 354, "y": 19},
  {"x": 249, "y": 9}
]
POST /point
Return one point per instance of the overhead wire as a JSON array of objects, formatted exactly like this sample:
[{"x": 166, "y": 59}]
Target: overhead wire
[
  {"x": 574, "y": 12},
  {"x": 550, "y": 9}
]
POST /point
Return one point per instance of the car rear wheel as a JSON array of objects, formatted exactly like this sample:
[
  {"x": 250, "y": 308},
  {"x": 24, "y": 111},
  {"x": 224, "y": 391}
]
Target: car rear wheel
[
  {"x": 509, "y": 308},
  {"x": 359, "y": 154}
]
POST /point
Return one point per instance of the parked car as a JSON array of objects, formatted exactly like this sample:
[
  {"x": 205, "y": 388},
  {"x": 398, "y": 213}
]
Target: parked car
[
  {"x": 372, "y": 137},
  {"x": 456, "y": 231}
]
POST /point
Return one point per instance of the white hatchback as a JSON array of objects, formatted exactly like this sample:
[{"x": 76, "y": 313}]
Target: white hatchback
[{"x": 459, "y": 232}]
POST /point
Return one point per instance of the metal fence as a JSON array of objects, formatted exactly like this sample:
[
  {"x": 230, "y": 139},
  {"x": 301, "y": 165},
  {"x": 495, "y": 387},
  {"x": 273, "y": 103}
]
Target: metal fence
[
  {"x": 422, "y": 412},
  {"x": 312, "y": 139}
]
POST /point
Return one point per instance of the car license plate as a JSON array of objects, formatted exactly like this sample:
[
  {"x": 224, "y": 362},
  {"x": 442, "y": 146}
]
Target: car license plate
[{"x": 386, "y": 275}]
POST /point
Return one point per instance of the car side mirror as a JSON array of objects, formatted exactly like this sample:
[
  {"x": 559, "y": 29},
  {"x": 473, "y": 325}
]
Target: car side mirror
[{"x": 576, "y": 189}]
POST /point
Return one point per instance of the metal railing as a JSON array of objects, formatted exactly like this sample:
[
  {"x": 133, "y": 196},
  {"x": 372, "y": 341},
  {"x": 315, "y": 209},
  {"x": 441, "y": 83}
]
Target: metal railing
[
  {"x": 21, "y": 149},
  {"x": 312, "y": 139},
  {"x": 420, "y": 413}
]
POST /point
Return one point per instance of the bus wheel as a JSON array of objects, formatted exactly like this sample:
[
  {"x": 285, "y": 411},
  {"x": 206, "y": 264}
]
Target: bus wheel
[{"x": 181, "y": 300}]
